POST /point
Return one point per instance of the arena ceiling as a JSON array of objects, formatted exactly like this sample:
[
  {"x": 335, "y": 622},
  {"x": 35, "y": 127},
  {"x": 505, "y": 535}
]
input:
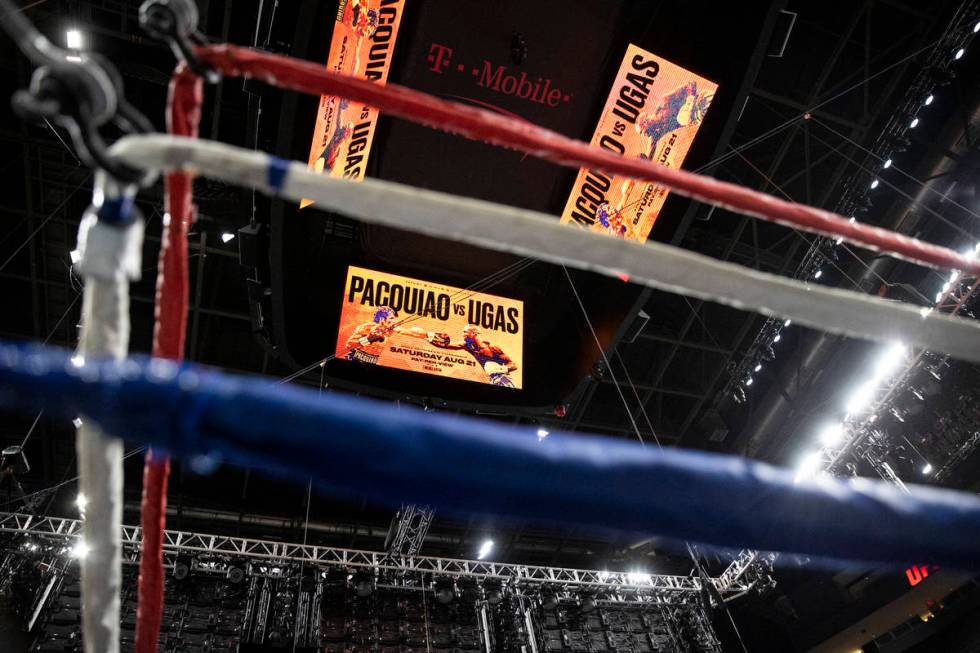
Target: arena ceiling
[{"x": 671, "y": 368}]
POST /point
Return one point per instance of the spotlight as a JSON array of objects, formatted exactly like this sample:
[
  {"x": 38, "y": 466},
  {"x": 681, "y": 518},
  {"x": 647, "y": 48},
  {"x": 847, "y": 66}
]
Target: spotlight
[
  {"x": 549, "y": 601},
  {"x": 927, "y": 469},
  {"x": 79, "y": 550},
  {"x": 74, "y": 58},
  {"x": 445, "y": 593},
  {"x": 485, "y": 549},
  {"x": 861, "y": 398},
  {"x": 235, "y": 575},
  {"x": 227, "y": 236},
  {"x": 787, "y": 323},
  {"x": 959, "y": 54},
  {"x": 363, "y": 584},
  {"x": 831, "y": 435},
  {"x": 889, "y": 361},
  {"x": 81, "y": 501},
  {"x": 929, "y": 99},
  {"x": 77, "y": 422},
  {"x": 75, "y": 256},
  {"x": 809, "y": 465},
  {"x": 818, "y": 274},
  {"x": 587, "y": 604},
  {"x": 181, "y": 570},
  {"x": 887, "y": 164},
  {"x": 73, "y": 39},
  {"x": 494, "y": 594},
  {"x": 874, "y": 184},
  {"x": 542, "y": 434},
  {"x": 778, "y": 337},
  {"x": 976, "y": 28},
  {"x": 77, "y": 360},
  {"x": 914, "y": 123},
  {"x": 757, "y": 368}
]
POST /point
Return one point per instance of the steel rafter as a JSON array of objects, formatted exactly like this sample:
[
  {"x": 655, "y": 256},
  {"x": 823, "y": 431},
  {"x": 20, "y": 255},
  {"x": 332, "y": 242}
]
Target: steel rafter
[{"x": 283, "y": 552}]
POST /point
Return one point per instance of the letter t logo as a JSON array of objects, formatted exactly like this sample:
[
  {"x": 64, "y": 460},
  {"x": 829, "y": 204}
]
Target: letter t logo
[{"x": 439, "y": 56}]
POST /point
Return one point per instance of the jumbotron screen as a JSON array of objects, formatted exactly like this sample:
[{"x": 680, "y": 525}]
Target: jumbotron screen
[{"x": 420, "y": 326}]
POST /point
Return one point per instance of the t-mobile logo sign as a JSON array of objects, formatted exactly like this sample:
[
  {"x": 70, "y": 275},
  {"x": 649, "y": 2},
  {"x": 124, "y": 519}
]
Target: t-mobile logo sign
[{"x": 498, "y": 78}]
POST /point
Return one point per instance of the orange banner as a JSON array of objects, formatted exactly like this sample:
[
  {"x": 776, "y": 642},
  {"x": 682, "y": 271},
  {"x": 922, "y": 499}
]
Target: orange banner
[
  {"x": 363, "y": 41},
  {"x": 414, "y": 325},
  {"x": 653, "y": 111}
]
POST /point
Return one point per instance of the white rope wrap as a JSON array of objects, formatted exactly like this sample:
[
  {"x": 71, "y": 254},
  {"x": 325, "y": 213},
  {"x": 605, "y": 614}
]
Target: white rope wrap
[
  {"x": 110, "y": 257},
  {"x": 529, "y": 233}
]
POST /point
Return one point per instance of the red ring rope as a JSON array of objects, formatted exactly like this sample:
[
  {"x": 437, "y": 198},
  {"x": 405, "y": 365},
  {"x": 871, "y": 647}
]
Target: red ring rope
[
  {"x": 480, "y": 124},
  {"x": 183, "y": 116}
]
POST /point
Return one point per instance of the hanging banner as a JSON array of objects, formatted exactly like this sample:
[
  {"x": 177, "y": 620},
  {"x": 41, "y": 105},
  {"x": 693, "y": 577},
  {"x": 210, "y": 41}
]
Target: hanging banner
[
  {"x": 419, "y": 326},
  {"x": 653, "y": 111},
  {"x": 362, "y": 45}
]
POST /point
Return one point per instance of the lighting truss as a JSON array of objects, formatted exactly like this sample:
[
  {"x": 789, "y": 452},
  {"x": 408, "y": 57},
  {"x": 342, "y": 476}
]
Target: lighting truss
[
  {"x": 413, "y": 524},
  {"x": 270, "y": 553}
]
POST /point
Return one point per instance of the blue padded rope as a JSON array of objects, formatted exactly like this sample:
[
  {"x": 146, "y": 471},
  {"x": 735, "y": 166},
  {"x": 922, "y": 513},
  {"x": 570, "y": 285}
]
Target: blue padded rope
[{"x": 354, "y": 445}]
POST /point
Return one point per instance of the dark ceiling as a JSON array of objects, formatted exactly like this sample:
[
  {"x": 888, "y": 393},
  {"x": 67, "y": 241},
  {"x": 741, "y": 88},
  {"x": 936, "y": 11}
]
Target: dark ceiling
[{"x": 856, "y": 62}]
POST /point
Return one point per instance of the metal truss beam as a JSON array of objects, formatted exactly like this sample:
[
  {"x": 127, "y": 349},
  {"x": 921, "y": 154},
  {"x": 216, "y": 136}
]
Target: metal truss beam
[{"x": 199, "y": 544}]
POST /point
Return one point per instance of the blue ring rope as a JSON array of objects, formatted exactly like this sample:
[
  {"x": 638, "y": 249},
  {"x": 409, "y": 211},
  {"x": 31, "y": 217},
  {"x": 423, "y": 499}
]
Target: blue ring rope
[{"x": 465, "y": 465}]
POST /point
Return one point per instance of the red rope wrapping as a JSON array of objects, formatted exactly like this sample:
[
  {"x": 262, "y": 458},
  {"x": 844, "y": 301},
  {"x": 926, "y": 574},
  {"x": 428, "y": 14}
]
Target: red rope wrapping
[
  {"x": 183, "y": 116},
  {"x": 483, "y": 125}
]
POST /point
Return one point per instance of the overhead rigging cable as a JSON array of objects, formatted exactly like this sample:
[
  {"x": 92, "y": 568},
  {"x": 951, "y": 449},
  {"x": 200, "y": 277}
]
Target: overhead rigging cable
[
  {"x": 528, "y": 233},
  {"x": 480, "y": 124}
]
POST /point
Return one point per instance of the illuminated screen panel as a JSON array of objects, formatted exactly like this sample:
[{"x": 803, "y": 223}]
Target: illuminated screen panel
[
  {"x": 362, "y": 44},
  {"x": 653, "y": 111},
  {"x": 419, "y": 326}
]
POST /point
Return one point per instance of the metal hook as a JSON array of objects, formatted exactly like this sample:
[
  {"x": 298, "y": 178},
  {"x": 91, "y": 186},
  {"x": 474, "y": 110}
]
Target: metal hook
[{"x": 175, "y": 21}]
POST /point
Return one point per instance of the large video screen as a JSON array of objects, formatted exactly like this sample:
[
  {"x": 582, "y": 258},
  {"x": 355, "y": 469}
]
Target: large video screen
[
  {"x": 653, "y": 111},
  {"x": 429, "y": 328}
]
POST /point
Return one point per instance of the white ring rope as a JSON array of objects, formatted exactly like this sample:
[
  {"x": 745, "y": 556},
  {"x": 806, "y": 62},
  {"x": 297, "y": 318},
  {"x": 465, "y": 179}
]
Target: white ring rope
[
  {"x": 110, "y": 258},
  {"x": 530, "y": 233}
]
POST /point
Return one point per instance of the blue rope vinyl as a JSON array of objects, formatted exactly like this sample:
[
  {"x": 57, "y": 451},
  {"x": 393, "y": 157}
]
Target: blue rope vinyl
[{"x": 358, "y": 446}]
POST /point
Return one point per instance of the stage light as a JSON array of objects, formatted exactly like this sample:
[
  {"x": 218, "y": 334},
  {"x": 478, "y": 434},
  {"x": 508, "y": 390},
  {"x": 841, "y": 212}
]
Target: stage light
[
  {"x": 861, "y": 398},
  {"x": 839, "y": 240},
  {"x": 542, "y": 434},
  {"x": 485, "y": 549},
  {"x": 227, "y": 236},
  {"x": 887, "y": 164},
  {"x": 927, "y": 469},
  {"x": 787, "y": 323},
  {"x": 77, "y": 360},
  {"x": 77, "y": 422},
  {"x": 81, "y": 501},
  {"x": 79, "y": 550},
  {"x": 549, "y": 601},
  {"x": 445, "y": 593},
  {"x": 809, "y": 465},
  {"x": 929, "y": 99},
  {"x": 939, "y": 295},
  {"x": 976, "y": 28},
  {"x": 818, "y": 274},
  {"x": 778, "y": 337},
  {"x": 363, "y": 584},
  {"x": 638, "y": 578},
  {"x": 852, "y": 219},
  {"x": 748, "y": 381},
  {"x": 73, "y": 39},
  {"x": 587, "y": 604},
  {"x": 758, "y": 367},
  {"x": 831, "y": 434},
  {"x": 914, "y": 123},
  {"x": 874, "y": 184},
  {"x": 74, "y": 58},
  {"x": 959, "y": 54},
  {"x": 603, "y": 576},
  {"x": 889, "y": 361}
]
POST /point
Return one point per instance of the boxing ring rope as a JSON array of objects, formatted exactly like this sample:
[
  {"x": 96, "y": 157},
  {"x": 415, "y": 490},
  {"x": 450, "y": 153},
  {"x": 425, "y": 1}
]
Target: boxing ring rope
[
  {"x": 703, "y": 277},
  {"x": 483, "y": 125},
  {"x": 363, "y": 447},
  {"x": 528, "y": 233}
]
